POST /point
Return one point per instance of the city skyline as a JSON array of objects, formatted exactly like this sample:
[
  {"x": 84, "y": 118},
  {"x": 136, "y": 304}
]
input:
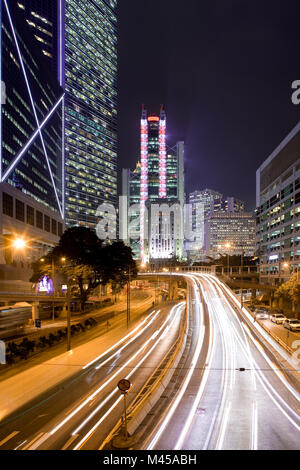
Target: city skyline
[
  {"x": 235, "y": 112},
  {"x": 149, "y": 323}
]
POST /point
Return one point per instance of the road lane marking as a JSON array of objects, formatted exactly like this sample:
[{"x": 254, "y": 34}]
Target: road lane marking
[
  {"x": 78, "y": 446},
  {"x": 22, "y": 443},
  {"x": 69, "y": 441},
  {"x": 33, "y": 441},
  {"x": 7, "y": 438},
  {"x": 96, "y": 392}
]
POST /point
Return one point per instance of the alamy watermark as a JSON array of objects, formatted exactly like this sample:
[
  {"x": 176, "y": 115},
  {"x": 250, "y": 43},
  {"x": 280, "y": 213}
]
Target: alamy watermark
[
  {"x": 2, "y": 352},
  {"x": 157, "y": 220},
  {"x": 296, "y": 94},
  {"x": 3, "y": 93}
]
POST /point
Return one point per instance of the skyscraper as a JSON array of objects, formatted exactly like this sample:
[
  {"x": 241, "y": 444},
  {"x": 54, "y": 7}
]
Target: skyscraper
[
  {"x": 87, "y": 66},
  {"x": 207, "y": 207},
  {"x": 31, "y": 127},
  {"x": 278, "y": 211},
  {"x": 79, "y": 41},
  {"x": 157, "y": 179},
  {"x": 32, "y": 121},
  {"x": 236, "y": 229}
]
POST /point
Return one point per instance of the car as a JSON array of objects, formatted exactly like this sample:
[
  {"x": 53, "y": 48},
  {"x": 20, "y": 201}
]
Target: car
[
  {"x": 261, "y": 315},
  {"x": 292, "y": 324},
  {"x": 277, "y": 318}
]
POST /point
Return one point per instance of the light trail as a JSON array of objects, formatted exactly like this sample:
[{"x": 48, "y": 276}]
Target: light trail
[
  {"x": 199, "y": 394},
  {"x": 96, "y": 392},
  {"x": 184, "y": 386},
  {"x": 225, "y": 326},
  {"x": 179, "y": 308},
  {"x": 121, "y": 340},
  {"x": 262, "y": 352}
]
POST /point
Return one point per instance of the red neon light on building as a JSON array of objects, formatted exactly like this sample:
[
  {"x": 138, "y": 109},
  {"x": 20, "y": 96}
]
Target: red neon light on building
[{"x": 153, "y": 118}]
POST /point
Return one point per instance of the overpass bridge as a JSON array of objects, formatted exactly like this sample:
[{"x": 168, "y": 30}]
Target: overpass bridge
[
  {"x": 7, "y": 298},
  {"x": 237, "y": 277}
]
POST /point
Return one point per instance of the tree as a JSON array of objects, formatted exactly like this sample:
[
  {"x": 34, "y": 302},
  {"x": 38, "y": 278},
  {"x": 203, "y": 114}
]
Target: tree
[
  {"x": 88, "y": 263},
  {"x": 290, "y": 290}
]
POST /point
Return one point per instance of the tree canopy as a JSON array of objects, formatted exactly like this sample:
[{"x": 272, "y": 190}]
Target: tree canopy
[
  {"x": 82, "y": 257},
  {"x": 289, "y": 290}
]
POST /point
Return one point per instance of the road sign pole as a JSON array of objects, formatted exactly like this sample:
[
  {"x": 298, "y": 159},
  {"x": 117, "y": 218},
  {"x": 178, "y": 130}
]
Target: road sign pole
[
  {"x": 69, "y": 317},
  {"x": 125, "y": 417}
]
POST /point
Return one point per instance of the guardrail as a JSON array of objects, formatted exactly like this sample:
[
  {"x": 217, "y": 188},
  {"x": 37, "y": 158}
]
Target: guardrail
[
  {"x": 153, "y": 388},
  {"x": 273, "y": 335}
]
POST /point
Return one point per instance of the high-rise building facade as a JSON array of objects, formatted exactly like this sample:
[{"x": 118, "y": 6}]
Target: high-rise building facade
[
  {"x": 32, "y": 118},
  {"x": 278, "y": 211},
  {"x": 79, "y": 40},
  {"x": 88, "y": 68},
  {"x": 157, "y": 179},
  {"x": 230, "y": 233},
  {"x": 204, "y": 204},
  {"x": 31, "y": 129},
  {"x": 201, "y": 204},
  {"x": 42, "y": 18}
]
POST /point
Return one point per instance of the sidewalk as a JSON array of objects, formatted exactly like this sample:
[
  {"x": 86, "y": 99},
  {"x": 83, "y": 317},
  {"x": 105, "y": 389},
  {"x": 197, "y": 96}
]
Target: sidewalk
[
  {"x": 119, "y": 307},
  {"x": 22, "y": 387}
]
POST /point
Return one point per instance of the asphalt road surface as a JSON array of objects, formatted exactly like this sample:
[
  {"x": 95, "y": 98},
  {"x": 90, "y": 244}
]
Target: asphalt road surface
[
  {"x": 82, "y": 410},
  {"x": 235, "y": 394}
]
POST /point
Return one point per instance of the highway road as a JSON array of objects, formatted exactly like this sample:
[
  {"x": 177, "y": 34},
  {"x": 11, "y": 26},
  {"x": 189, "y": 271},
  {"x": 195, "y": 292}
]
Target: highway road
[
  {"x": 234, "y": 394},
  {"x": 285, "y": 335},
  {"x": 81, "y": 411},
  {"x": 230, "y": 390}
]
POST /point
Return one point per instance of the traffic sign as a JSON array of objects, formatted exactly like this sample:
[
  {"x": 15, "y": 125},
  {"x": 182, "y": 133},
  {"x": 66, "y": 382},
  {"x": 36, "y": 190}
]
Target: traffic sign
[{"x": 124, "y": 385}]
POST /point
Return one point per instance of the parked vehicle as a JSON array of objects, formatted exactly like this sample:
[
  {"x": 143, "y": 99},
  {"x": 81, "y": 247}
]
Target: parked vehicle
[
  {"x": 261, "y": 316},
  {"x": 292, "y": 324},
  {"x": 278, "y": 318},
  {"x": 261, "y": 313}
]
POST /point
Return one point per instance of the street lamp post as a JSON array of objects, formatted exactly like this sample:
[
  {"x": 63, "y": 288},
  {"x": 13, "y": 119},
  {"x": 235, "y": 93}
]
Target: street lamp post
[
  {"x": 228, "y": 246},
  {"x": 68, "y": 315},
  {"x": 242, "y": 277},
  {"x": 53, "y": 289}
]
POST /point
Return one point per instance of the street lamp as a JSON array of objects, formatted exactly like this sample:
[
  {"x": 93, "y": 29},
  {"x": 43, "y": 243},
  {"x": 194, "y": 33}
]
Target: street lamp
[
  {"x": 228, "y": 246},
  {"x": 19, "y": 243},
  {"x": 63, "y": 259}
]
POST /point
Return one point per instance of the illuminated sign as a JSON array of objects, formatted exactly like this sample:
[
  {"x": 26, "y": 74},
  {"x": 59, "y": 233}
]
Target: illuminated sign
[
  {"x": 162, "y": 159},
  {"x": 153, "y": 118},
  {"x": 144, "y": 183},
  {"x": 45, "y": 285}
]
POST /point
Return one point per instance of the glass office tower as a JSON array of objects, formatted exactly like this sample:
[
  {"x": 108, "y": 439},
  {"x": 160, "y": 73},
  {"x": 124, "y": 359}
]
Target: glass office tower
[
  {"x": 78, "y": 39},
  {"x": 87, "y": 65},
  {"x": 31, "y": 114}
]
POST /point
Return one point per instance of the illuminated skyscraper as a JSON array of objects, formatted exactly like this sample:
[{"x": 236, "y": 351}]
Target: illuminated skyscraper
[
  {"x": 87, "y": 66},
  {"x": 31, "y": 129},
  {"x": 79, "y": 41},
  {"x": 157, "y": 179}
]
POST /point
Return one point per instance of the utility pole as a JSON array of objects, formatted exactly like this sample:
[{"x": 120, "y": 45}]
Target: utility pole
[
  {"x": 69, "y": 316},
  {"x": 242, "y": 266},
  {"x": 53, "y": 290}
]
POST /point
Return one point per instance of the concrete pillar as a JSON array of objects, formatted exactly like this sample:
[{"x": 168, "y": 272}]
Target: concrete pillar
[
  {"x": 173, "y": 290},
  {"x": 35, "y": 311}
]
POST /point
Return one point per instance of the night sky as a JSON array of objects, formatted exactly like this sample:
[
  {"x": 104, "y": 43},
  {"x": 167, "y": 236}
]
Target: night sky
[{"x": 223, "y": 70}]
